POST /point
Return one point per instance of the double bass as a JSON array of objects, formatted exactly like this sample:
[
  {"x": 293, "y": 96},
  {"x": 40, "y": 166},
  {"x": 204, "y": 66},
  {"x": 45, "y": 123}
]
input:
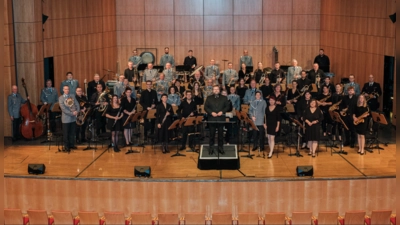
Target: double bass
[{"x": 31, "y": 126}]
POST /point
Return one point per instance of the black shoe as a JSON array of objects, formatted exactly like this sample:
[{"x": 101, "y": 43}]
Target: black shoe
[
  {"x": 346, "y": 144},
  {"x": 182, "y": 148},
  {"x": 73, "y": 147},
  {"x": 84, "y": 140},
  {"x": 211, "y": 151},
  {"x": 163, "y": 150},
  {"x": 78, "y": 141},
  {"x": 254, "y": 148},
  {"x": 269, "y": 157},
  {"x": 66, "y": 149},
  {"x": 351, "y": 145},
  {"x": 166, "y": 149},
  {"x": 221, "y": 151},
  {"x": 361, "y": 153}
]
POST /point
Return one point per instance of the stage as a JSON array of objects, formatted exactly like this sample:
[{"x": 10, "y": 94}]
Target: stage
[{"x": 104, "y": 164}]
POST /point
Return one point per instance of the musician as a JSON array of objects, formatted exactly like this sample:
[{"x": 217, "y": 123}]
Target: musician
[
  {"x": 324, "y": 101},
  {"x": 210, "y": 71},
  {"x": 187, "y": 109},
  {"x": 279, "y": 97},
  {"x": 190, "y": 61},
  {"x": 150, "y": 73},
  {"x": 257, "y": 113},
  {"x": 167, "y": 58},
  {"x": 15, "y": 101},
  {"x": 336, "y": 98},
  {"x": 273, "y": 122},
  {"x": 92, "y": 85},
  {"x": 216, "y": 106},
  {"x": 258, "y": 73},
  {"x": 266, "y": 89},
  {"x": 241, "y": 89},
  {"x": 161, "y": 87},
  {"x": 277, "y": 75},
  {"x": 126, "y": 86},
  {"x": 234, "y": 100},
  {"x": 197, "y": 78},
  {"x": 293, "y": 95},
  {"x": 95, "y": 102},
  {"x": 361, "y": 111},
  {"x": 314, "y": 73},
  {"x": 303, "y": 81},
  {"x": 169, "y": 75},
  {"x": 129, "y": 72},
  {"x": 353, "y": 84},
  {"x": 312, "y": 117},
  {"x": 135, "y": 59},
  {"x": 83, "y": 104},
  {"x": 229, "y": 77},
  {"x": 243, "y": 72},
  {"x": 173, "y": 97},
  {"x": 164, "y": 120},
  {"x": 179, "y": 89},
  {"x": 148, "y": 100},
  {"x": 68, "y": 118},
  {"x": 70, "y": 82},
  {"x": 246, "y": 59},
  {"x": 372, "y": 91},
  {"x": 197, "y": 94},
  {"x": 114, "y": 122},
  {"x": 208, "y": 90},
  {"x": 128, "y": 105},
  {"x": 49, "y": 95},
  {"x": 228, "y": 127},
  {"x": 323, "y": 61},
  {"x": 250, "y": 94},
  {"x": 301, "y": 106},
  {"x": 293, "y": 72},
  {"x": 348, "y": 105},
  {"x": 327, "y": 83},
  {"x": 119, "y": 87}
]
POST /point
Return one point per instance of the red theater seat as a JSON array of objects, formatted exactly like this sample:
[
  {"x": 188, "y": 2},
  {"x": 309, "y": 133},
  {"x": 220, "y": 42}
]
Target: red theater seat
[
  {"x": 90, "y": 218},
  {"x": 64, "y": 218},
  {"x": 194, "y": 218},
  {"x": 326, "y": 218},
  {"x": 141, "y": 218},
  {"x": 39, "y": 217},
  {"x": 355, "y": 217},
  {"x": 274, "y": 218},
  {"x": 15, "y": 216},
  {"x": 248, "y": 218},
  {"x": 168, "y": 218},
  {"x": 221, "y": 218},
  {"x": 300, "y": 218},
  {"x": 116, "y": 218}
]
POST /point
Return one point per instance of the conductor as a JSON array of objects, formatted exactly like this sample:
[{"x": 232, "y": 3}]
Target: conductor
[{"x": 216, "y": 106}]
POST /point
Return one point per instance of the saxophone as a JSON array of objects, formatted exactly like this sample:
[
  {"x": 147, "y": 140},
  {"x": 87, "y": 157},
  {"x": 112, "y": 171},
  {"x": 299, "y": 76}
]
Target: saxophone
[
  {"x": 335, "y": 106},
  {"x": 326, "y": 98},
  {"x": 344, "y": 111},
  {"x": 360, "y": 119}
]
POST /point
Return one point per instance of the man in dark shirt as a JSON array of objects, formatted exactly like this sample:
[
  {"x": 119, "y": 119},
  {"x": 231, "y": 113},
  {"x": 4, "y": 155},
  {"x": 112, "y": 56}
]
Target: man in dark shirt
[
  {"x": 129, "y": 72},
  {"x": 92, "y": 85},
  {"x": 275, "y": 73},
  {"x": 190, "y": 61},
  {"x": 148, "y": 100},
  {"x": 348, "y": 105},
  {"x": 372, "y": 91},
  {"x": 323, "y": 61},
  {"x": 186, "y": 109},
  {"x": 303, "y": 81},
  {"x": 327, "y": 83},
  {"x": 84, "y": 104}
]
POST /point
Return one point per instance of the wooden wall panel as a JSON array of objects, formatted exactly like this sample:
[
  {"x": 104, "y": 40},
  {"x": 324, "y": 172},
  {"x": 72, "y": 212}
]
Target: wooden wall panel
[
  {"x": 218, "y": 38},
  {"x": 309, "y": 37},
  {"x": 277, "y": 7},
  {"x": 157, "y": 197},
  {"x": 188, "y": 23},
  {"x": 218, "y": 7},
  {"x": 247, "y": 7},
  {"x": 254, "y": 50},
  {"x": 244, "y": 23},
  {"x": 306, "y": 7},
  {"x": 165, "y": 38},
  {"x": 188, "y": 7},
  {"x": 218, "y": 23},
  {"x": 189, "y": 38},
  {"x": 158, "y": 7},
  {"x": 277, "y": 22},
  {"x": 247, "y": 38},
  {"x": 131, "y": 38},
  {"x": 306, "y": 22},
  {"x": 129, "y": 7},
  {"x": 277, "y": 38}
]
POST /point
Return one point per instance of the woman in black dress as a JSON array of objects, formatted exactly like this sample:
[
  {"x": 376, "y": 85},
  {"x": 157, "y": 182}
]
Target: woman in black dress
[
  {"x": 273, "y": 117},
  {"x": 241, "y": 89},
  {"x": 266, "y": 89},
  {"x": 280, "y": 98},
  {"x": 257, "y": 74},
  {"x": 128, "y": 106},
  {"x": 164, "y": 114},
  {"x": 114, "y": 124},
  {"x": 324, "y": 102},
  {"x": 242, "y": 74},
  {"x": 359, "y": 115},
  {"x": 337, "y": 97},
  {"x": 197, "y": 94},
  {"x": 312, "y": 118}
]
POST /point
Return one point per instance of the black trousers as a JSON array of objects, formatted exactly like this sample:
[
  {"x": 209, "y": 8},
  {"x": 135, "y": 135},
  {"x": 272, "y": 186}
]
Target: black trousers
[
  {"x": 259, "y": 136},
  {"x": 80, "y": 131},
  {"x": 149, "y": 125},
  {"x": 15, "y": 128},
  {"x": 69, "y": 134},
  {"x": 351, "y": 133},
  {"x": 339, "y": 127},
  {"x": 185, "y": 131},
  {"x": 231, "y": 128},
  {"x": 213, "y": 127},
  {"x": 100, "y": 122},
  {"x": 327, "y": 120}
]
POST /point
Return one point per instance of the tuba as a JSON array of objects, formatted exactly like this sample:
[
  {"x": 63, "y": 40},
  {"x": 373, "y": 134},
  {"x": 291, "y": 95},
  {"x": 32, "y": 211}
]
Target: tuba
[{"x": 101, "y": 99}]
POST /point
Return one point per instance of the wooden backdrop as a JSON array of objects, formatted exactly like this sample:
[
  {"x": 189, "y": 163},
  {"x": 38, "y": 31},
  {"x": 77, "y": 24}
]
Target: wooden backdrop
[
  {"x": 189, "y": 196},
  {"x": 357, "y": 35},
  {"x": 220, "y": 29}
]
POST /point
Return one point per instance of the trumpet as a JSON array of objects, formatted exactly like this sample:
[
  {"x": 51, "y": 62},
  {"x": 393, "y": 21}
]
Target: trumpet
[
  {"x": 360, "y": 119},
  {"x": 305, "y": 88}
]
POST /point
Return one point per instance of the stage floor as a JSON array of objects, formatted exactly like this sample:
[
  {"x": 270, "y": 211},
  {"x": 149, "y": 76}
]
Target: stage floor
[{"x": 102, "y": 164}]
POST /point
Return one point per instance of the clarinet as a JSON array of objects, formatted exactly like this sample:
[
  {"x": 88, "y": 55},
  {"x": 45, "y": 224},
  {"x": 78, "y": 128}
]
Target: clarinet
[
  {"x": 165, "y": 117},
  {"x": 118, "y": 114}
]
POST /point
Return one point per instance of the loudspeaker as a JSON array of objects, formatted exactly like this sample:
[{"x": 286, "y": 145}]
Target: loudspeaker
[
  {"x": 142, "y": 171},
  {"x": 303, "y": 171},
  {"x": 36, "y": 168},
  {"x": 393, "y": 18}
]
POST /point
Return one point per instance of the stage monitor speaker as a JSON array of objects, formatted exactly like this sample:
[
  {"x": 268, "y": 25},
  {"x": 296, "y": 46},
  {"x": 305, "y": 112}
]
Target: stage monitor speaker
[
  {"x": 303, "y": 171},
  {"x": 142, "y": 171},
  {"x": 36, "y": 168}
]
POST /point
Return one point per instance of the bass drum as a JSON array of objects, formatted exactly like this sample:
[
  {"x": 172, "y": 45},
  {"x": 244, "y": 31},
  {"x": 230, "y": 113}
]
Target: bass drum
[{"x": 147, "y": 57}]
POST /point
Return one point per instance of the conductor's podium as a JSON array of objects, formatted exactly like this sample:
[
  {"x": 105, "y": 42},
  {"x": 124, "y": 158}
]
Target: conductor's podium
[{"x": 227, "y": 161}]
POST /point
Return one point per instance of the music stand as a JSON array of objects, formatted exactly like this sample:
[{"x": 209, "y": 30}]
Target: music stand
[
  {"x": 300, "y": 126},
  {"x": 314, "y": 88},
  {"x": 45, "y": 110},
  {"x": 158, "y": 68},
  {"x": 242, "y": 120},
  {"x": 249, "y": 69},
  {"x": 336, "y": 117},
  {"x": 192, "y": 121},
  {"x": 141, "y": 66},
  {"x": 380, "y": 119},
  {"x": 254, "y": 127},
  {"x": 131, "y": 119},
  {"x": 172, "y": 127}
]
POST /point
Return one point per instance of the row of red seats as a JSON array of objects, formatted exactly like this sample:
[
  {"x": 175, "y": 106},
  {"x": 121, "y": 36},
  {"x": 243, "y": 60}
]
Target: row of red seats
[{"x": 40, "y": 217}]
